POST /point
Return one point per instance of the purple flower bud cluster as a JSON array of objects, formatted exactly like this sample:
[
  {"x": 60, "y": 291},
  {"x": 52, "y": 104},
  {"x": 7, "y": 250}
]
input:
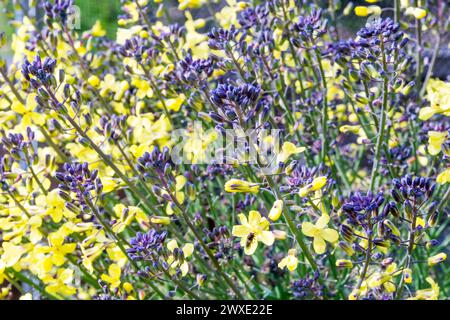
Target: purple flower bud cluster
[
  {"x": 147, "y": 246},
  {"x": 309, "y": 28},
  {"x": 416, "y": 189},
  {"x": 219, "y": 241},
  {"x": 156, "y": 163},
  {"x": 239, "y": 104},
  {"x": 138, "y": 48},
  {"x": 194, "y": 71},
  {"x": 221, "y": 39},
  {"x": 42, "y": 72},
  {"x": 380, "y": 37},
  {"x": 302, "y": 175},
  {"x": 257, "y": 16},
  {"x": 307, "y": 288},
  {"x": 360, "y": 207},
  {"x": 59, "y": 11},
  {"x": 78, "y": 178},
  {"x": 16, "y": 145},
  {"x": 112, "y": 127}
]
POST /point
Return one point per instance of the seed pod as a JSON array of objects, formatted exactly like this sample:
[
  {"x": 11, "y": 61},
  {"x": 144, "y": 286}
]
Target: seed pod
[
  {"x": 347, "y": 233},
  {"x": 346, "y": 248},
  {"x": 433, "y": 219},
  {"x": 408, "y": 209},
  {"x": 343, "y": 263}
]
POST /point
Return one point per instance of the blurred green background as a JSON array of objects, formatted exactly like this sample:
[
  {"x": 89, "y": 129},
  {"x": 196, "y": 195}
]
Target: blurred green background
[{"x": 104, "y": 10}]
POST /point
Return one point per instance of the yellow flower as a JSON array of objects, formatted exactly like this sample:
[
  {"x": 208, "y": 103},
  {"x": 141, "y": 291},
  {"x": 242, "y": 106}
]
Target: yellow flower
[
  {"x": 94, "y": 81},
  {"x": 438, "y": 93},
  {"x": 418, "y": 13},
  {"x": 427, "y": 294},
  {"x": 113, "y": 276},
  {"x": 276, "y": 210},
  {"x": 407, "y": 275},
  {"x": 57, "y": 248},
  {"x": 191, "y": 4},
  {"x": 287, "y": 150},
  {"x": 174, "y": 263},
  {"x": 29, "y": 116},
  {"x": 435, "y": 141},
  {"x": 227, "y": 16},
  {"x": 348, "y": 128},
  {"x": 180, "y": 182},
  {"x": 11, "y": 254},
  {"x": 253, "y": 230},
  {"x": 356, "y": 293},
  {"x": 236, "y": 185},
  {"x": 438, "y": 258},
  {"x": 444, "y": 177},
  {"x": 379, "y": 279},
  {"x": 26, "y": 296},
  {"x": 290, "y": 261},
  {"x": 317, "y": 184},
  {"x": 320, "y": 233},
  {"x": 173, "y": 104},
  {"x": 60, "y": 284},
  {"x": 97, "y": 30},
  {"x": 54, "y": 205},
  {"x": 361, "y": 11}
]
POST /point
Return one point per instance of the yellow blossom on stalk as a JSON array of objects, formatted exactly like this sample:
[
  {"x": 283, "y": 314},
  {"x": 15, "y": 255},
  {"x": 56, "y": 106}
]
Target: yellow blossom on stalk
[
  {"x": 94, "y": 81},
  {"x": 435, "y": 141},
  {"x": 11, "y": 254},
  {"x": 438, "y": 258},
  {"x": 320, "y": 233},
  {"x": 287, "y": 150},
  {"x": 180, "y": 182},
  {"x": 290, "y": 261},
  {"x": 57, "y": 249},
  {"x": 125, "y": 216},
  {"x": 54, "y": 206},
  {"x": 317, "y": 184},
  {"x": 173, "y": 104},
  {"x": 357, "y": 293},
  {"x": 383, "y": 278},
  {"x": 175, "y": 263},
  {"x": 236, "y": 186},
  {"x": 191, "y": 4},
  {"x": 438, "y": 94},
  {"x": 29, "y": 116},
  {"x": 349, "y": 128},
  {"x": 97, "y": 30},
  {"x": 427, "y": 294},
  {"x": 113, "y": 276},
  {"x": 26, "y": 296},
  {"x": 197, "y": 143},
  {"x": 418, "y": 13},
  {"x": 196, "y": 41},
  {"x": 276, "y": 211},
  {"x": 253, "y": 230},
  {"x": 444, "y": 177},
  {"x": 227, "y": 16},
  {"x": 407, "y": 275},
  {"x": 61, "y": 283},
  {"x": 361, "y": 11}
]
